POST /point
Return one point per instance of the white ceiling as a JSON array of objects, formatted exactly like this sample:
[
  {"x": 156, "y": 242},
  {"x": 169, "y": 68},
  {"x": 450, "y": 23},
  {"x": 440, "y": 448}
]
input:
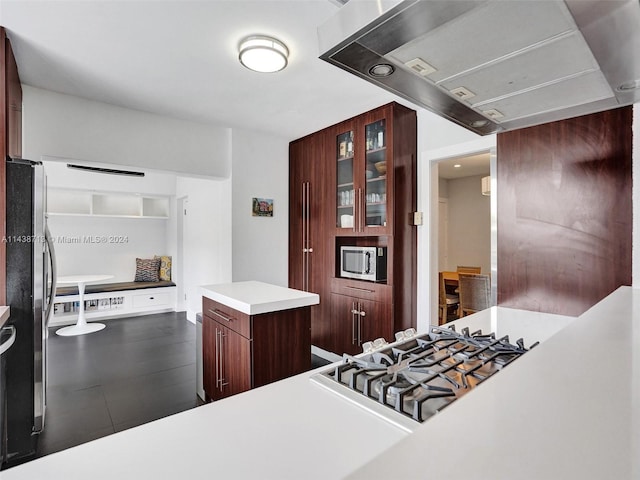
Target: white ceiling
[
  {"x": 470, "y": 166},
  {"x": 179, "y": 58}
]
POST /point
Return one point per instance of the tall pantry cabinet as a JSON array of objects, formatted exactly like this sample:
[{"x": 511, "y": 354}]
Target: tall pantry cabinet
[
  {"x": 307, "y": 226},
  {"x": 354, "y": 184}
]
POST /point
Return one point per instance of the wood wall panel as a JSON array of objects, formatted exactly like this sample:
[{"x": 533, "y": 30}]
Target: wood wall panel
[{"x": 565, "y": 212}]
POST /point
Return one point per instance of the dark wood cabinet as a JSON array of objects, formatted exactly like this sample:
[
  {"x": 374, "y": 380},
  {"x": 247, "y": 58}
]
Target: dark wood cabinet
[
  {"x": 356, "y": 320},
  {"x": 14, "y": 105},
  {"x": 241, "y": 351},
  {"x": 307, "y": 226},
  {"x": 227, "y": 360},
  {"x": 364, "y": 175},
  {"x": 565, "y": 212},
  {"x": 10, "y": 135},
  {"x": 366, "y": 167}
]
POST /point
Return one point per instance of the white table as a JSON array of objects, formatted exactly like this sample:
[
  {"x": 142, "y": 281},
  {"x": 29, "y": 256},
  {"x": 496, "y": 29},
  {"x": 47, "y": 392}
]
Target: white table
[{"x": 81, "y": 327}]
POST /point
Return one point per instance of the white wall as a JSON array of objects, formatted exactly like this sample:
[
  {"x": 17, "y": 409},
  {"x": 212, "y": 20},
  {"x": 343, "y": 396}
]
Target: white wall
[
  {"x": 65, "y": 126},
  {"x": 207, "y": 239},
  {"x": 469, "y": 233},
  {"x": 153, "y": 183},
  {"x": 260, "y": 244},
  {"x": 143, "y": 238},
  {"x": 61, "y": 128},
  {"x": 438, "y": 139}
]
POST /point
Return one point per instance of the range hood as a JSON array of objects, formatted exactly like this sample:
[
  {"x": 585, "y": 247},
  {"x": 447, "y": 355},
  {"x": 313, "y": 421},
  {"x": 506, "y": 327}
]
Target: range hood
[{"x": 493, "y": 65}]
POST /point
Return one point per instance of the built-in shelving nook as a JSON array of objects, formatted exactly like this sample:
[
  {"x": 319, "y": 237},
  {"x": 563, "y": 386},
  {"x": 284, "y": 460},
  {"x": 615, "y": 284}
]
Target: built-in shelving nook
[{"x": 106, "y": 204}]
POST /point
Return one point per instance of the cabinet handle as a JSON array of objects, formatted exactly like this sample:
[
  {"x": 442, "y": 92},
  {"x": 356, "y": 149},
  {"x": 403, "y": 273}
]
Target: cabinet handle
[
  {"x": 368, "y": 290},
  {"x": 306, "y": 220},
  {"x": 151, "y": 298},
  {"x": 363, "y": 211},
  {"x": 217, "y": 359},
  {"x": 222, "y": 382},
  {"x": 361, "y": 312},
  {"x": 353, "y": 323},
  {"x": 220, "y": 315}
]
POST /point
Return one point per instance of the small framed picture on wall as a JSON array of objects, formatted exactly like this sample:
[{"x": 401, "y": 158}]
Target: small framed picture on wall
[{"x": 262, "y": 207}]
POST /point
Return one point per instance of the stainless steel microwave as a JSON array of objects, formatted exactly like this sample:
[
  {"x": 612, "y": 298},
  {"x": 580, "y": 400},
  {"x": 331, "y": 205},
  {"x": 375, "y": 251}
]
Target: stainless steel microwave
[{"x": 364, "y": 263}]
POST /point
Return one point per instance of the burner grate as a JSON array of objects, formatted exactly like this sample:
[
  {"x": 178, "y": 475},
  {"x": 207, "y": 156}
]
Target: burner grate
[{"x": 420, "y": 376}]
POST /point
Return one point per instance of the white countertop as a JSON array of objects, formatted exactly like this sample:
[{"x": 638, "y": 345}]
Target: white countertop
[
  {"x": 254, "y": 297},
  {"x": 550, "y": 415},
  {"x": 568, "y": 409},
  {"x": 290, "y": 429}
]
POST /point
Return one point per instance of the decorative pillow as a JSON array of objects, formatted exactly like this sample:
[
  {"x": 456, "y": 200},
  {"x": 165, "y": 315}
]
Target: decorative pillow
[
  {"x": 147, "y": 269},
  {"x": 165, "y": 267}
]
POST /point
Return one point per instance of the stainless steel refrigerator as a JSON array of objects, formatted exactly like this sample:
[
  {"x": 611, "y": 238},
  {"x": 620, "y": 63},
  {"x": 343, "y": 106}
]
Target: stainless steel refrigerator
[{"x": 30, "y": 292}]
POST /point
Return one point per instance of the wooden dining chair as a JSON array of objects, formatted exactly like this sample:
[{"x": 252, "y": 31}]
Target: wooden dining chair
[
  {"x": 475, "y": 293},
  {"x": 447, "y": 300},
  {"x": 468, "y": 269}
]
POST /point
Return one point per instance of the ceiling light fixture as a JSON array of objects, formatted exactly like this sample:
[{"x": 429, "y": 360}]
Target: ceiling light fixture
[
  {"x": 381, "y": 70},
  {"x": 263, "y": 54},
  {"x": 457, "y": 165}
]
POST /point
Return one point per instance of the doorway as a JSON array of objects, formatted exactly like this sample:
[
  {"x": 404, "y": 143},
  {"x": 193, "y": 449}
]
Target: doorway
[
  {"x": 464, "y": 213},
  {"x": 428, "y": 201}
]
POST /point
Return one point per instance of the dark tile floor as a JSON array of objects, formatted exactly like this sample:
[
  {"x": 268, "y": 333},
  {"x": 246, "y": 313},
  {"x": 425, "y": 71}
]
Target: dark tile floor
[{"x": 134, "y": 371}]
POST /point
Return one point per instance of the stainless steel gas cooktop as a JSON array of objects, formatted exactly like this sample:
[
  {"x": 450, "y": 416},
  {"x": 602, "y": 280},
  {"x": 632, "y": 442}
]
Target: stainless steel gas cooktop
[{"x": 417, "y": 376}]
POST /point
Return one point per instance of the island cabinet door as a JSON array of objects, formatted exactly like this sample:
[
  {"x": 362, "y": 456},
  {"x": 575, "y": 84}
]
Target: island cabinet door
[{"x": 226, "y": 360}]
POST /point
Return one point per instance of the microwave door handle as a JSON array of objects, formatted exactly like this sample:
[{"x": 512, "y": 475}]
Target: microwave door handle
[
  {"x": 7, "y": 344},
  {"x": 368, "y": 262}
]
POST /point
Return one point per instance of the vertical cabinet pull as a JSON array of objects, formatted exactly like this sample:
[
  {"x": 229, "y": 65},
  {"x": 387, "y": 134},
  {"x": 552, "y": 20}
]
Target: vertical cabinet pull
[
  {"x": 220, "y": 383},
  {"x": 354, "y": 312},
  {"x": 357, "y": 313},
  {"x": 362, "y": 209},
  {"x": 217, "y": 358},
  {"x": 306, "y": 236}
]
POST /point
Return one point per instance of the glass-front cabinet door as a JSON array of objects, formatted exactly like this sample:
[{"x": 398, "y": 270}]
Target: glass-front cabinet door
[
  {"x": 346, "y": 188},
  {"x": 375, "y": 191},
  {"x": 362, "y": 190}
]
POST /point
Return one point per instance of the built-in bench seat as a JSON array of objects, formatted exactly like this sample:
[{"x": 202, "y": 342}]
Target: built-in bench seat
[
  {"x": 112, "y": 287},
  {"x": 108, "y": 300}
]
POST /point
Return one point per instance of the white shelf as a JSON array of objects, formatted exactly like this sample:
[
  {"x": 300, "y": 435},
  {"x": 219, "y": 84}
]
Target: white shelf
[
  {"x": 105, "y": 204},
  {"x": 69, "y": 202},
  {"x": 121, "y": 205}
]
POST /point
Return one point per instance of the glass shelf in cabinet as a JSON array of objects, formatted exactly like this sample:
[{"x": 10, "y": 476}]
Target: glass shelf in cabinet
[{"x": 377, "y": 179}]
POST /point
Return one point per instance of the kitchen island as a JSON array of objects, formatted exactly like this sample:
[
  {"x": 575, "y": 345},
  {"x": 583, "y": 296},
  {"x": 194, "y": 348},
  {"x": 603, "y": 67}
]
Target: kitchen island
[
  {"x": 569, "y": 408},
  {"x": 253, "y": 333}
]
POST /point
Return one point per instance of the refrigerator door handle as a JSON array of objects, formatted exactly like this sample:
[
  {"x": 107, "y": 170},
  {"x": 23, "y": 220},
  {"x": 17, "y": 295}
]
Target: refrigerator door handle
[
  {"x": 7, "y": 345},
  {"x": 54, "y": 274}
]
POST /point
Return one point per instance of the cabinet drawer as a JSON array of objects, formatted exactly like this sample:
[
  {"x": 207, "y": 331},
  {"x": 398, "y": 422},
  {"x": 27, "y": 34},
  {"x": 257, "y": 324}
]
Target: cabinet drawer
[
  {"x": 233, "y": 319},
  {"x": 150, "y": 300},
  {"x": 378, "y": 292}
]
